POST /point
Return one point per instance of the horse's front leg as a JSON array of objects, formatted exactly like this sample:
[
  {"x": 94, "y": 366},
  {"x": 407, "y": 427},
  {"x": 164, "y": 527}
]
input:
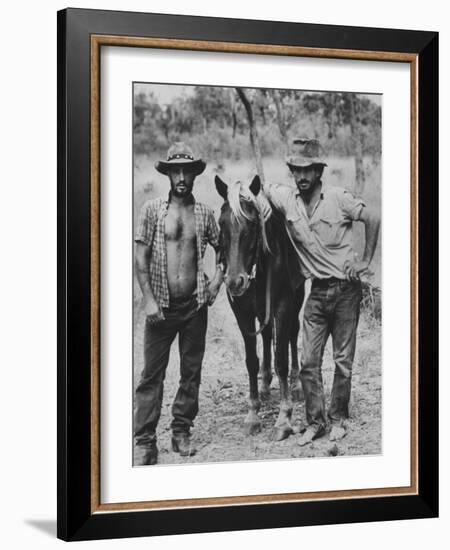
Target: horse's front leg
[
  {"x": 243, "y": 310},
  {"x": 266, "y": 370},
  {"x": 252, "y": 422},
  {"x": 281, "y": 331}
]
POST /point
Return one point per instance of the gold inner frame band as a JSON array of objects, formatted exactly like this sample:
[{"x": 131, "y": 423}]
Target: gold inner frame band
[{"x": 97, "y": 41}]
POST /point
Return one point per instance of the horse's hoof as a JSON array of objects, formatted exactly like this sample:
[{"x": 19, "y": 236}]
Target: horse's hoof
[
  {"x": 297, "y": 394},
  {"x": 264, "y": 393},
  {"x": 252, "y": 428},
  {"x": 280, "y": 433}
]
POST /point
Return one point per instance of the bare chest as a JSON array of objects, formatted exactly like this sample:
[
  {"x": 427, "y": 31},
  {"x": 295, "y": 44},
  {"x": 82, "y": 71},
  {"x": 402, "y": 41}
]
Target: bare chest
[{"x": 179, "y": 225}]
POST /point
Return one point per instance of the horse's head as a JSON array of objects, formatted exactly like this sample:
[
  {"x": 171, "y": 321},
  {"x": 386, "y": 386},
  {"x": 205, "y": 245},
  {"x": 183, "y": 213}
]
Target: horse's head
[{"x": 240, "y": 232}]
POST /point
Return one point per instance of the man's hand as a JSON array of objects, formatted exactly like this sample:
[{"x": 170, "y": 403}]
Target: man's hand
[
  {"x": 353, "y": 270},
  {"x": 211, "y": 292},
  {"x": 153, "y": 312}
]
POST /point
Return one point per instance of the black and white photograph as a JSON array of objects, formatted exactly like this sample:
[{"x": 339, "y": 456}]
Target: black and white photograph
[
  {"x": 257, "y": 288},
  {"x": 232, "y": 330}
]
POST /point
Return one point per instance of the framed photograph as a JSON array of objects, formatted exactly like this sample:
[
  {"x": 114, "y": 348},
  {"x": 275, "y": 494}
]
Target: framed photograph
[{"x": 247, "y": 274}]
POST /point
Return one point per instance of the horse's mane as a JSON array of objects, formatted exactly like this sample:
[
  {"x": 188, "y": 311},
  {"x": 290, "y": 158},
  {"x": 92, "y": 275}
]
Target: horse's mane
[{"x": 236, "y": 193}]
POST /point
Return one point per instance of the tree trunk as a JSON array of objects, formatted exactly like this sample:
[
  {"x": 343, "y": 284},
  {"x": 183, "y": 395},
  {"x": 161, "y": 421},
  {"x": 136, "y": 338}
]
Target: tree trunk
[
  {"x": 331, "y": 114},
  {"x": 280, "y": 119},
  {"x": 254, "y": 140},
  {"x": 233, "y": 111},
  {"x": 355, "y": 127}
]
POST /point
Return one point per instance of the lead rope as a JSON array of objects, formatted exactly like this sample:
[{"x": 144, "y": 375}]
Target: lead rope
[
  {"x": 268, "y": 293},
  {"x": 252, "y": 276},
  {"x": 268, "y": 305}
]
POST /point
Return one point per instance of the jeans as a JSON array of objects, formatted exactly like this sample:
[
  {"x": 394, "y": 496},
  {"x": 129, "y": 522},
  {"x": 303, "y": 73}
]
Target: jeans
[
  {"x": 182, "y": 318},
  {"x": 332, "y": 308}
]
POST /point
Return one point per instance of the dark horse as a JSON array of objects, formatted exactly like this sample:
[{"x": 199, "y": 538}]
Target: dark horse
[{"x": 263, "y": 281}]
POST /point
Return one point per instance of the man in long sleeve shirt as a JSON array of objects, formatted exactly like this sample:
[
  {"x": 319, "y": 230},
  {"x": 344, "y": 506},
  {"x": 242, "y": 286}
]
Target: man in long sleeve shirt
[{"x": 319, "y": 221}]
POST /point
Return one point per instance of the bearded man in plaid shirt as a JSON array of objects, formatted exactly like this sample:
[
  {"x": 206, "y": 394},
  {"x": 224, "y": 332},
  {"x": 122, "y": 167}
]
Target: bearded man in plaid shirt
[{"x": 171, "y": 239}]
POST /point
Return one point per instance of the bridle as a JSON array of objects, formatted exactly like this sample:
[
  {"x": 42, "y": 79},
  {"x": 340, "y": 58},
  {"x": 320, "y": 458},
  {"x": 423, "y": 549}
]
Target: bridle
[
  {"x": 252, "y": 276},
  {"x": 254, "y": 264}
]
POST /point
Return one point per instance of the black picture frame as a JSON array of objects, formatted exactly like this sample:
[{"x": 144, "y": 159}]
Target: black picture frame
[{"x": 76, "y": 518}]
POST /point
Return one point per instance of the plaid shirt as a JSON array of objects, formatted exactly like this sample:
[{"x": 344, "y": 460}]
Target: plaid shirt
[{"x": 150, "y": 231}]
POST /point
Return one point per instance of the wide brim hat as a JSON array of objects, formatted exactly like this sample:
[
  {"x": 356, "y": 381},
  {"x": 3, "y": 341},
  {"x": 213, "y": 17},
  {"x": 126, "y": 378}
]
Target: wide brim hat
[
  {"x": 306, "y": 152},
  {"x": 180, "y": 154}
]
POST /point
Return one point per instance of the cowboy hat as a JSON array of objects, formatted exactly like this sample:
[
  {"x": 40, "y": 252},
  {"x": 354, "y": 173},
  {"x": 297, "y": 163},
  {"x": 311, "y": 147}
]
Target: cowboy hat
[
  {"x": 306, "y": 152},
  {"x": 180, "y": 153}
]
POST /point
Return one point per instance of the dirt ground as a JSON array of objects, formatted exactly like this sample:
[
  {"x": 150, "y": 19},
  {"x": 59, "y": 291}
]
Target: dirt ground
[{"x": 218, "y": 434}]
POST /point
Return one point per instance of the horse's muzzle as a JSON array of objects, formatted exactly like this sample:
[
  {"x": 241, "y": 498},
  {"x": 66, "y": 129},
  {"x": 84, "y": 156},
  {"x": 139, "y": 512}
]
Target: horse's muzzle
[{"x": 238, "y": 285}]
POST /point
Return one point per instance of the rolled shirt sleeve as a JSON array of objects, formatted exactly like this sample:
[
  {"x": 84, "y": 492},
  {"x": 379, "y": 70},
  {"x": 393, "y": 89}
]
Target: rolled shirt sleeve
[
  {"x": 146, "y": 224},
  {"x": 212, "y": 231},
  {"x": 280, "y": 196},
  {"x": 351, "y": 206},
  {"x": 283, "y": 198}
]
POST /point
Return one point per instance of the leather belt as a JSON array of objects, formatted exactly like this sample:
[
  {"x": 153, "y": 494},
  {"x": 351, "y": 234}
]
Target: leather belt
[{"x": 324, "y": 283}]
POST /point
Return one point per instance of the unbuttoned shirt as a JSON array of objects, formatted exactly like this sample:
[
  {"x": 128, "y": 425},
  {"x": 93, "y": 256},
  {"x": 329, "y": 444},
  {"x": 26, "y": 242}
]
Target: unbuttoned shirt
[
  {"x": 323, "y": 241},
  {"x": 151, "y": 231}
]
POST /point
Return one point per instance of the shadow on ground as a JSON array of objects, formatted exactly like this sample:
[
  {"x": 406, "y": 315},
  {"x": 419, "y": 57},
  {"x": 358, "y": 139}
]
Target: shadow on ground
[{"x": 47, "y": 526}]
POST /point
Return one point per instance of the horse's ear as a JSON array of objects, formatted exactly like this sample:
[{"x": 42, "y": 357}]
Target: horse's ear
[
  {"x": 255, "y": 186},
  {"x": 222, "y": 188}
]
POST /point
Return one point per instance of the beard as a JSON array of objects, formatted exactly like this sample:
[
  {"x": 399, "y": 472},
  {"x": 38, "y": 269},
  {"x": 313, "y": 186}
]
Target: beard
[
  {"x": 307, "y": 186},
  {"x": 181, "y": 191}
]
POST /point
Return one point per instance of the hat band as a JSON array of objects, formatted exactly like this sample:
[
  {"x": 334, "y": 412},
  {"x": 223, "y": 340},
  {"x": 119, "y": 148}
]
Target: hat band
[{"x": 180, "y": 156}]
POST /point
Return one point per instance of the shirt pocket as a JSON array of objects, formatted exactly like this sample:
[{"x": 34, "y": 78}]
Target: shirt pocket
[{"x": 330, "y": 230}]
